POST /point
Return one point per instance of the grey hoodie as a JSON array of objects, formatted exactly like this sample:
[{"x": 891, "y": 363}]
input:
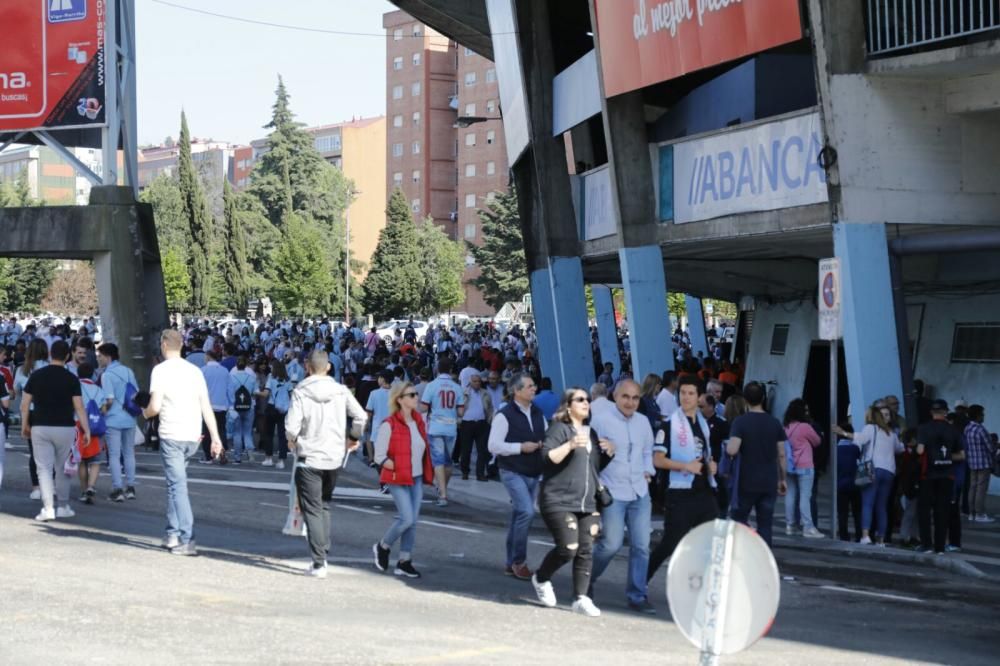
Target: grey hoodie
[{"x": 317, "y": 421}]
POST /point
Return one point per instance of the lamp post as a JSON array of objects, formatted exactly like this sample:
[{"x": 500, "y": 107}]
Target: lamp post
[
  {"x": 464, "y": 121},
  {"x": 347, "y": 261}
]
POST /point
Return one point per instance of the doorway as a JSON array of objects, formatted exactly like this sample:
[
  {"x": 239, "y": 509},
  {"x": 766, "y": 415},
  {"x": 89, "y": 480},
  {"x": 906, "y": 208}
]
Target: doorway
[{"x": 816, "y": 390}]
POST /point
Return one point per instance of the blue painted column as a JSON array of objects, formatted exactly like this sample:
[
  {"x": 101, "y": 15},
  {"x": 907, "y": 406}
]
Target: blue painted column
[
  {"x": 607, "y": 331},
  {"x": 543, "y": 309},
  {"x": 696, "y": 325},
  {"x": 577, "y": 358},
  {"x": 646, "y": 305},
  {"x": 871, "y": 349}
]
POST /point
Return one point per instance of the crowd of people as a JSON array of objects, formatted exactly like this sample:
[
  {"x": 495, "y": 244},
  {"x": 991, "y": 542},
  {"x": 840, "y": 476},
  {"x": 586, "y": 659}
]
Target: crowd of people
[{"x": 697, "y": 442}]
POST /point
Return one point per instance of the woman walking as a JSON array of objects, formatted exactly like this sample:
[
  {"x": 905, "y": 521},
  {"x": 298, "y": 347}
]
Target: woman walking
[
  {"x": 402, "y": 451},
  {"x": 36, "y": 357},
  {"x": 572, "y": 457},
  {"x": 278, "y": 392},
  {"x": 90, "y": 447},
  {"x": 802, "y": 439},
  {"x": 879, "y": 445}
]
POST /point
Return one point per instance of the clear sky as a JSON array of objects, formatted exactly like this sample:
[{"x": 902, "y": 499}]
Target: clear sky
[{"x": 224, "y": 72}]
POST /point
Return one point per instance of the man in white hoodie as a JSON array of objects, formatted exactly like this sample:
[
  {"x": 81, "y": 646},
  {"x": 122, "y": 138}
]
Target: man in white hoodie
[{"x": 316, "y": 426}]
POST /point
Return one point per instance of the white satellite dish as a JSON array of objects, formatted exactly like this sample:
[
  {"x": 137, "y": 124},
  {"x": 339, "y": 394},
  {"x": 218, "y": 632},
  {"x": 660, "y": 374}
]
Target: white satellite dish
[{"x": 723, "y": 588}]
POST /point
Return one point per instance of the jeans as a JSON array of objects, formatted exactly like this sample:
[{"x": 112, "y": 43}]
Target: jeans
[
  {"x": 800, "y": 487},
  {"x": 574, "y": 536},
  {"x": 908, "y": 529},
  {"x": 935, "y": 499},
  {"x": 763, "y": 504},
  {"x": 180, "y": 519},
  {"x": 52, "y": 447},
  {"x": 275, "y": 422},
  {"x": 243, "y": 433},
  {"x": 979, "y": 484},
  {"x": 407, "y": 499},
  {"x": 442, "y": 448},
  {"x": 522, "y": 490},
  {"x": 121, "y": 442},
  {"x": 848, "y": 501},
  {"x": 469, "y": 433},
  {"x": 683, "y": 511},
  {"x": 875, "y": 497},
  {"x": 206, "y": 438},
  {"x": 636, "y": 514},
  {"x": 314, "y": 488}
]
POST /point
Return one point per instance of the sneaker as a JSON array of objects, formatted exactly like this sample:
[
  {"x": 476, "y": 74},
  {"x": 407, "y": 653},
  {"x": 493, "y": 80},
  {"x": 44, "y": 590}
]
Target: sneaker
[
  {"x": 383, "y": 488},
  {"x": 235, "y": 460},
  {"x": 46, "y": 515},
  {"x": 584, "y": 606},
  {"x": 65, "y": 512},
  {"x": 170, "y": 541},
  {"x": 865, "y": 541},
  {"x": 952, "y": 549},
  {"x": 89, "y": 495},
  {"x": 381, "y": 556},
  {"x": 280, "y": 464},
  {"x": 642, "y": 607},
  {"x": 36, "y": 494},
  {"x": 130, "y": 493},
  {"x": 521, "y": 571},
  {"x": 223, "y": 458},
  {"x": 983, "y": 518},
  {"x": 546, "y": 595},
  {"x": 482, "y": 478},
  {"x": 813, "y": 533},
  {"x": 187, "y": 549},
  {"x": 405, "y": 568},
  {"x": 317, "y": 571},
  {"x": 206, "y": 461},
  {"x": 83, "y": 496},
  {"x": 442, "y": 502},
  {"x": 267, "y": 463},
  {"x": 117, "y": 495},
  {"x": 791, "y": 530}
]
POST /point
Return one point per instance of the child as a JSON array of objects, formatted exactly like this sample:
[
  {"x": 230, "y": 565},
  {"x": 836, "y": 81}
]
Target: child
[{"x": 909, "y": 484}]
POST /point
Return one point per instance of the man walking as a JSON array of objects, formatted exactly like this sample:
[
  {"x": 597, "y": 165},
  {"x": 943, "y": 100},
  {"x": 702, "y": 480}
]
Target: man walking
[
  {"x": 941, "y": 443},
  {"x": 217, "y": 380},
  {"x": 475, "y": 428},
  {"x": 627, "y": 477},
  {"x": 444, "y": 400},
  {"x": 979, "y": 452},
  {"x": 179, "y": 396},
  {"x": 316, "y": 428},
  {"x": 759, "y": 439},
  {"x": 120, "y": 434}
]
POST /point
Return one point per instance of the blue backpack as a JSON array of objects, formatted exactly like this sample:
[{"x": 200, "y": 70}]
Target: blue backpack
[
  {"x": 95, "y": 417},
  {"x": 128, "y": 402},
  {"x": 281, "y": 397}
]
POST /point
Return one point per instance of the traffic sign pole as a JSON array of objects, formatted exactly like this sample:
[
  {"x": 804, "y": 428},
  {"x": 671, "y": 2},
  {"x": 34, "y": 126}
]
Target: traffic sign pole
[{"x": 830, "y": 327}]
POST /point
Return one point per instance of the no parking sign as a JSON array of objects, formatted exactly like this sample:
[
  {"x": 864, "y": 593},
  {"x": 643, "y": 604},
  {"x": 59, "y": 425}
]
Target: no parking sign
[{"x": 830, "y": 327}]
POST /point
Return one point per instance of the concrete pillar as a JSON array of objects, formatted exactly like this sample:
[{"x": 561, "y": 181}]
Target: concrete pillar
[
  {"x": 543, "y": 309},
  {"x": 646, "y": 307},
  {"x": 696, "y": 325},
  {"x": 870, "y": 343},
  {"x": 571, "y": 321},
  {"x": 607, "y": 330}
]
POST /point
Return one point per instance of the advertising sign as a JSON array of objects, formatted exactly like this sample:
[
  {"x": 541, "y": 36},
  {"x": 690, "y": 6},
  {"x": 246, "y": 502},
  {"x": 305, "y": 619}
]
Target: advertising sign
[
  {"x": 766, "y": 167},
  {"x": 648, "y": 41},
  {"x": 598, "y": 215},
  {"x": 52, "y": 65},
  {"x": 830, "y": 327}
]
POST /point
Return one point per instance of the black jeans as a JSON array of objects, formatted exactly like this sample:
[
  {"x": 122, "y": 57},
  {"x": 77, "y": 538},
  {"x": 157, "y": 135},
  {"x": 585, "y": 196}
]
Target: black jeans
[
  {"x": 469, "y": 433},
  {"x": 763, "y": 503},
  {"x": 574, "y": 534},
  {"x": 849, "y": 500},
  {"x": 935, "y": 499},
  {"x": 275, "y": 426},
  {"x": 683, "y": 511},
  {"x": 206, "y": 439},
  {"x": 315, "y": 489}
]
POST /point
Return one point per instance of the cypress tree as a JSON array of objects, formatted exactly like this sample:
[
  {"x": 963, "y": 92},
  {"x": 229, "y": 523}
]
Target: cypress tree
[
  {"x": 394, "y": 285},
  {"x": 199, "y": 222},
  {"x": 236, "y": 253}
]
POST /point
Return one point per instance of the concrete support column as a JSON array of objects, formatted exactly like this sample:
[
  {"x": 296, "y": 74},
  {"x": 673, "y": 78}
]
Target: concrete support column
[
  {"x": 696, "y": 325},
  {"x": 870, "y": 342},
  {"x": 646, "y": 306},
  {"x": 543, "y": 309},
  {"x": 571, "y": 322},
  {"x": 607, "y": 330}
]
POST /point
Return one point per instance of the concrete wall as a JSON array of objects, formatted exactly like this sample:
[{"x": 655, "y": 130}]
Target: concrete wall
[{"x": 788, "y": 370}]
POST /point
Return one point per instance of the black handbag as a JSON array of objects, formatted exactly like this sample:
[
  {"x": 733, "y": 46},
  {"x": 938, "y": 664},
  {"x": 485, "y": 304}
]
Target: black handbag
[{"x": 603, "y": 498}]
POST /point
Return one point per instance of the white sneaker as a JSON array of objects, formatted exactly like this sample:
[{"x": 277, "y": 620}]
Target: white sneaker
[
  {"x": 546, "y": 595},
  {"x": 865, "y": 541},
  {"x": 280, "y": 464},
  {"x": 46, "y": 515},
  {"x": 813, "y": 533},
  {"x": 791, "y": 530},
  {"x": 8, "y": 446},
  {"x": 65, "y": 512},
  {"x": 983, "y": 518},
  {"x": 584, "y": 606},
  {"x": 267, "y": 463},
  {"x": 317, "y": 572},
  {"x": 36, "y": 494}
]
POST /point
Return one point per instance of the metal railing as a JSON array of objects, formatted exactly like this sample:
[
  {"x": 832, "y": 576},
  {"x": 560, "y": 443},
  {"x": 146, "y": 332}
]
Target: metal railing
[{"x": 895, "y": 25}]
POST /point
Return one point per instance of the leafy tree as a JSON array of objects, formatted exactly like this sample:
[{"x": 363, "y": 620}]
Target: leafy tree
[
  {"x": 176, "y": 282},
  {"x": 394, "y": 285},
  {"x": 443, "y": 266},
  {"x": 199, "y": 222},
  {"x": 303, "y": 277},
  {"x": 6, "y": 283},
  {"x": 504, "y": 274},
  {"x": 172, "y": 228},
  {"x": 262, "y": 240},
  {"x": 72, "y": 291},
  {"x": 26, "y": 280},
  {"x": 677, "y": 305},
  {"x": 238, "y": 289}
]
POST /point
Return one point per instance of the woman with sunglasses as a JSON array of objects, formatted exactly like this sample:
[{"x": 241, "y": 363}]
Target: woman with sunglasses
[
  {"x": 573, "y": 456},
  {"x": 404, "y": 456}
]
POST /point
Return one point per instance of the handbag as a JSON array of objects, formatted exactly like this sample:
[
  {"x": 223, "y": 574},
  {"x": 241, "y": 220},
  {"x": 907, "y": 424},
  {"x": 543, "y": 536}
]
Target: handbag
[
  {"x": 865, "y": 474},
  {"x": 603, "y": 498}
]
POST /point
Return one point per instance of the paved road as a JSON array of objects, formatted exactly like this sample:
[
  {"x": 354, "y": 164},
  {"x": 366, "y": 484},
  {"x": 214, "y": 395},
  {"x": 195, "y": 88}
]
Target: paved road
[{"x": 97, "y": 588}]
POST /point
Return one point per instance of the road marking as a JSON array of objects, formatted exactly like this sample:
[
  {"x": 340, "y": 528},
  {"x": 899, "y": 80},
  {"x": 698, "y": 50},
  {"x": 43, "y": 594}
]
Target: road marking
[
  {"x": 460, "y": 655},
  {"x": 881, "y": 595},
  {"x": 358, "y": 509},
  {"x": 539, "y": 542},
  {"x": 347, "y": 493},
  {"x": 450, "y": 527}
]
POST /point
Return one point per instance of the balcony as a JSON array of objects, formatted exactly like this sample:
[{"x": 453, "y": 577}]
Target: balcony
[{"x": 893, "y": 26}]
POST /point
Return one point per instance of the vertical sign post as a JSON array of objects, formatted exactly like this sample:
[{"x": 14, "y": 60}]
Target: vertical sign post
[{"x": 831, "y": 328}]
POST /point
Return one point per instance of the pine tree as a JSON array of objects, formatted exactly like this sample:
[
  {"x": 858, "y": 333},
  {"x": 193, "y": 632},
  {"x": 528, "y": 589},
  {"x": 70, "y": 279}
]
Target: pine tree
[
  {"x": 302, "y": 275},
  {"x": 443, "y": 267},
  {"x": 236, "y": 253},
  {"x": 394, "y": 284},
  {"x": 504, "y": 274},
  {"x": 199, "y": 222}
]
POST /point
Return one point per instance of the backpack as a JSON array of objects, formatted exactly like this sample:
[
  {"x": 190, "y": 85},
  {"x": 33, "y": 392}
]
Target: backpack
[
  {"x": 128, "y": 402},
  {"x": 242, "y": 399},
  {"x": 281, "y": 397},
  {"x": 95, "y": 417}
]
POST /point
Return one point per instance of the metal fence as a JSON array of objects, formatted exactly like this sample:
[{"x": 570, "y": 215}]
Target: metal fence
[{"x": 894, "y": 25}]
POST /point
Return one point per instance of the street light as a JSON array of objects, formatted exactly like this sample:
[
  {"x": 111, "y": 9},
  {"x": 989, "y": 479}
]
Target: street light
[
  {"x": 464, "y": 121},
  {"x": 347, "y": 259}
]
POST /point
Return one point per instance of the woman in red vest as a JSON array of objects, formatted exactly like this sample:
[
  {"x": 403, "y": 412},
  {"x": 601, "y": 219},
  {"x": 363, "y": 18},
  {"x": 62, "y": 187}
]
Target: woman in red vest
[{"x": 405, "y": 459}]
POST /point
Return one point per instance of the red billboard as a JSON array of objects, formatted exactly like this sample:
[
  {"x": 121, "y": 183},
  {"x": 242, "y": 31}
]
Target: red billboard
[
  {"x": 648, "y": 41},
  {"x": 52, "y": 64}
]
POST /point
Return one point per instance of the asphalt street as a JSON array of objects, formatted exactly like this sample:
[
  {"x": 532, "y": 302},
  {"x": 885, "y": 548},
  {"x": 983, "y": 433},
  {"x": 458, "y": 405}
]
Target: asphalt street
[{"x": 98, "y": 589}]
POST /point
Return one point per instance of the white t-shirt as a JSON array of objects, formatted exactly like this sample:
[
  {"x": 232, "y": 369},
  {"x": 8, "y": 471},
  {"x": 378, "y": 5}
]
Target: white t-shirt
[{"x": 182, "y": 387}]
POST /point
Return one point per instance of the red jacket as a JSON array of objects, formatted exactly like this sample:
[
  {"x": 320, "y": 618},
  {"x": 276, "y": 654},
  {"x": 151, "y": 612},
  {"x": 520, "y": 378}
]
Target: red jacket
[{"x": 399, "y": 452}]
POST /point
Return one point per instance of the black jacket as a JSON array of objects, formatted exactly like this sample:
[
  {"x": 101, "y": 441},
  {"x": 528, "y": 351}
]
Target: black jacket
[{"x": 572, "y": 484}]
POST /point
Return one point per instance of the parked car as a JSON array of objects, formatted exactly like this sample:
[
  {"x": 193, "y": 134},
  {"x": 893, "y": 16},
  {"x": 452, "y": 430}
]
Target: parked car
[{"x": 388, "y": 329}]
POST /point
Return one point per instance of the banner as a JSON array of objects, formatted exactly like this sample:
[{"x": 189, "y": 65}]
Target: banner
[
  {"x": 648, "y": 41},
  {"x": 52, "y": 64},
  {"x": 766, "y": 167}
]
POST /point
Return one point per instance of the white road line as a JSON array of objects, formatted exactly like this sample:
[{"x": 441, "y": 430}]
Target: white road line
[
  {"x": 539, "y": 542},
  {"x": 450, "y": 527},
  {"x": 358, "y": 509},
  {"x": 881, "y": 595},
  {"x": 276, "y": 506}
]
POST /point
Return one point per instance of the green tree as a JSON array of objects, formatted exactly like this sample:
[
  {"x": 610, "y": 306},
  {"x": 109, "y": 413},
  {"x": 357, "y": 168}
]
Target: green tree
[
  {"x": 172, "y": 228},
  {"x": 6, "y": 283},
  {"x": 176, "y": 281},
  {"x": 676, "y": 305},
  {"x": 504, "y": 272},
  {"x": 199, "y": 222},
  {"x": 303, "y": 277},
  {"x": 443, "y": 266},
  {"x": 395, "y": 281},
  {"x": 238, "y": 290},
  {"x": 27, "y": 279}
]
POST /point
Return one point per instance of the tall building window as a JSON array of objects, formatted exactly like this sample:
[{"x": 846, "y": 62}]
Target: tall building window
[
  {"x": 416, "y": 147},
  {"x": 491, "y": 105},
  {"x": 416, "y": 59},
  {"x": 397, "y": 150},
  {"x": 416, "y": 29},
  {"x": 490, "y": 196},
  {"x": 470, "y": 170},
  {"x": 325, "y": 144},
  {"x": 416, "y": 119},
  {"x": 397, "y": 179},
  {"x": 470, "y": 109},
  {"x": 470, "y": 79},
  {"x": 470, "y": 200},
  {"x": 397, "y": 63},
  {"x": 415, "y": 89},
  {"x": 397, "y": 34},
  {"x": 470, "y": 231},
  {"x": 491, "y": 75},
  {"x": 397, "y": 92},
  {"x": 470, "y": 139},
  {"x": 468, "y": 51},
  {"x": 415, "y": 205},
  {"x": 397, "y": 121},
  {"x": 491, "y": 168},
  {"x": 416, "y": 175},
  {"x": 491, "y": 136}
]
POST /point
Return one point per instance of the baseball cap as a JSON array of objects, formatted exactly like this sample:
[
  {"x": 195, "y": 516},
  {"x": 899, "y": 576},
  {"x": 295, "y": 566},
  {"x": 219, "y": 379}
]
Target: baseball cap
[{"x": 939, "y": 405}]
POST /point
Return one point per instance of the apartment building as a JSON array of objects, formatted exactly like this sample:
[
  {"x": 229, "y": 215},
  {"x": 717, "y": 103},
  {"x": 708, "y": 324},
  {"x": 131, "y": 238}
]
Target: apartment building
[{"x": 50, "y": 177}]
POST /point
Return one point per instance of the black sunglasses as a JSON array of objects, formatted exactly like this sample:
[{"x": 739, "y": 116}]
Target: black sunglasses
[
  {"x": 581, "y": 398},
  {"x": 410, "y": 394}
]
